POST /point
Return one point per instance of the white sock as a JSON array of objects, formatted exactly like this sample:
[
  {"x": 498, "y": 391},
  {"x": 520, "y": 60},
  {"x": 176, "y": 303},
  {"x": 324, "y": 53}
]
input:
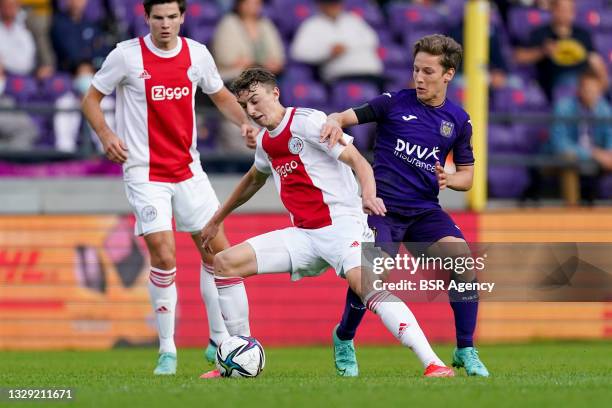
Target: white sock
[
  {"x": 234, "y": 305},
  {"x": 400, "y": 321},
  {"x": 210, "y": 295},
  {"x": 162, "y": 290}
]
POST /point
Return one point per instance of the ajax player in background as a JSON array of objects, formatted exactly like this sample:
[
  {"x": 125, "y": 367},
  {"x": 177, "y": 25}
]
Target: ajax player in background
[
  {"x": 416, "y": 130},
  {"x": 316, "y": 185},
  {"x": 156, "y": 78}
]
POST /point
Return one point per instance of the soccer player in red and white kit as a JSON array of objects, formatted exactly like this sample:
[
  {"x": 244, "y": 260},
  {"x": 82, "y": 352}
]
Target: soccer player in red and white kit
[
  {"x": 156, "y": 78},
  {"x": 320, "y": 192}
]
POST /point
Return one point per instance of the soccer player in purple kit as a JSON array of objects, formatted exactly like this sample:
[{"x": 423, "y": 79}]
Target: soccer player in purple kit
[{"x": 416, "y": 130}]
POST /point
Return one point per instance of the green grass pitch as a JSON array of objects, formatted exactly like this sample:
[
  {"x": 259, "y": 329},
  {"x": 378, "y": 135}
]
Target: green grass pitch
[{"x": 537, "y": 374}]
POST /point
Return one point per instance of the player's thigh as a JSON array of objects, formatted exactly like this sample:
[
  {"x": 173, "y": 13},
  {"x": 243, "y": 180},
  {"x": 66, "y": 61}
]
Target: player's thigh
[
  {"x": 340, "y": 244},
  {"x": 287, "y": 250},
  {"x": 238, "y": 261},
  {"x": 432, "y": 226},
  {"x": 218, "y": 244},
  {"x": 194, "y": 203},
  {"x": 151, "y": 203},
  {"x": 385, "y": 233}
]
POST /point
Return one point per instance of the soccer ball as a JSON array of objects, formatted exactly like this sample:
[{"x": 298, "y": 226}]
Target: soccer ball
[{"x": 240, "y": 356}]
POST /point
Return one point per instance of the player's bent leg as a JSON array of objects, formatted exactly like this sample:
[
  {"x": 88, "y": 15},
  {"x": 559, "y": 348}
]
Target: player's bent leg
[
  {"x": 399, "y": 320},
  {"x": 210, "y": 295},
  {"x": 162, "y": 291},
  {"x": 465, "y": 308},
  {"x": 231, "y": 267}
]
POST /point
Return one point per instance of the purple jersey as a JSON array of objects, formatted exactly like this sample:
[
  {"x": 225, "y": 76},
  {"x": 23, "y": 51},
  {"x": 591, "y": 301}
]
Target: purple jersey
[{"x": 411, "y": 138}]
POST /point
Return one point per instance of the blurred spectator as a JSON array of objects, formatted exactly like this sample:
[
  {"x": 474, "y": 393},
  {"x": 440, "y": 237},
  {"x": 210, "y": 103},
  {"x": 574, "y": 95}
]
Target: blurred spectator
[
  {"x": 585, "y": 140},
  {"x": 340, "y": 43},
  {"x": 74, "y": 38},
  {"x": 69, "y": 125},
  {"x": 245, "y": 39},
  {"x": 561, "y": 50},
  {"x": 39, "y": 22},
  {"x": 498, "y": 64},
  {"x": 17, "y": 130},
  {"x": 17, "y": 47}
]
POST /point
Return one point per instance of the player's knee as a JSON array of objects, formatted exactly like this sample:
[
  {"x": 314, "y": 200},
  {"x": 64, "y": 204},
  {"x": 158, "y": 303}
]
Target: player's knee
[
  {"x": 223, "y": 265},
  {"x": 163, "y": 259}
]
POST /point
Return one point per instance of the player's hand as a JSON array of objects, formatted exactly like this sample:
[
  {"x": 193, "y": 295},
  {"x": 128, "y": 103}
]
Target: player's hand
[
  {"x": 114, "y": 148},
  {"x": 337, "y": 49},
  {"x": 441, "y": 176},
  {"x": 249, "y": 132},
  {"x": 208, "y": 233},
  {"x": 332, "y": 133},
  {"x": 373, "y": 206}
]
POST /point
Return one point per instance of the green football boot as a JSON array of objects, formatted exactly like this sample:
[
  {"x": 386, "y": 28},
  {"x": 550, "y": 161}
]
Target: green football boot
[
  {"x": 210, "y": 354},
  {"x": 166, "y": 365},
  {"x": 467, "y": 357},
  {"x": 344, "y": 357}
]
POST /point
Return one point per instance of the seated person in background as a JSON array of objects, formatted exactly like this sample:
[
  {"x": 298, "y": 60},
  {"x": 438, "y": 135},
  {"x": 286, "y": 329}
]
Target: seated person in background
[
  {"x": 17, "y": 130},
  {"x": 17, "y": 47},
  {"x": 585, "y": 140},
  {"x": 244, "y": 39},
  {"x": 68, "y": 126},
  {"x": 341, "y": 44},
  {"x": 74, "y": 38},
  {"x": 561, "y": 50}
]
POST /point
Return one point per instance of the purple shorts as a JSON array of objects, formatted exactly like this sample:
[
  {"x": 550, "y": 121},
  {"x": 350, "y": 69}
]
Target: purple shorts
[{"x": 428, "y": 227}]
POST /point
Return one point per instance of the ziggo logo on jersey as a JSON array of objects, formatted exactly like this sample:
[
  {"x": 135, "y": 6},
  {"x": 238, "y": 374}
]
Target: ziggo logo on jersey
[
  {"x": 160, "y": 93},
  {"x": 285, "y": 169}
]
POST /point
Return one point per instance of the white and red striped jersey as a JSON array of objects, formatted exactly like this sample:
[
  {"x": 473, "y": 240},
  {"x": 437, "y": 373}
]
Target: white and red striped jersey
[
  {"x": 313, "y": 184},
  {"x": 155, "y": 105}
]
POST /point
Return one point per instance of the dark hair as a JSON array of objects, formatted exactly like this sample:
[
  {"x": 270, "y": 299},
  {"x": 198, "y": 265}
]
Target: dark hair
[
  {"x": 148, "y": 5},
  {"x": 250, "y": 78},
  {"x": 441, "y": 45}
]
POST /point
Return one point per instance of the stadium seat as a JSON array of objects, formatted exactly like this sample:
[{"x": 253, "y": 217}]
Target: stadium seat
[
  {"x": 347, "y": 94},
  {"x": 369, "y": 11},
  {"x": 22, "y": 88},
  {"x": 501, "y": 139},
  {"x": 304, "y": 93},
  {"x": 507, "y": 181},
  {"x": 414, "y": 17},
  {"x": 55, "y": 86},
  {"x": 202, "y": 12},
  {"x": 596, "y": 20},
  {"x": 397, "y": 78},
  {"x": 522, "y": 21},
  {"x": 394, "y": 56},
  {"x": 525, "y": 98},
  {"x": 605, "y": 187},
  {"x": 201, "y": 32},
  {"x": 298, "y": 72},
  {"x": 289, "y": 14}
]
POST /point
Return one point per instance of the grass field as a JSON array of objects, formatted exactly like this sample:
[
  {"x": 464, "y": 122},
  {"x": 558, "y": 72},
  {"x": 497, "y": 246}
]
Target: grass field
[{"x": 539, "y": 374}]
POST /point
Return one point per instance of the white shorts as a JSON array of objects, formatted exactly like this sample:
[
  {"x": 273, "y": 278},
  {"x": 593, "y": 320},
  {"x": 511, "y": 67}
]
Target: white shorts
[
  {"x": 306, "y": 252},
  {"x": 193, "y": 202}
]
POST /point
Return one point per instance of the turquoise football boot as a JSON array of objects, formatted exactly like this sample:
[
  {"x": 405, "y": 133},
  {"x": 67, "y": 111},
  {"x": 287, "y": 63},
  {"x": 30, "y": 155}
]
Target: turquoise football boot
[
  {"x": 344, "y": 357},
  {"x": 467, "y": 357},
  {"x": 166, "y": 365},
  {"x": 210, "y": 354}
]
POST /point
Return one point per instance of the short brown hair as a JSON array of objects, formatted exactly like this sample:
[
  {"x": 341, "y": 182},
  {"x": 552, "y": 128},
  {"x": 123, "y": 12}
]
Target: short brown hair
[
  {"x": 441, "y": 45},
  {"x": 148, "y": 5},
  {"x": 250, "y": 78}
]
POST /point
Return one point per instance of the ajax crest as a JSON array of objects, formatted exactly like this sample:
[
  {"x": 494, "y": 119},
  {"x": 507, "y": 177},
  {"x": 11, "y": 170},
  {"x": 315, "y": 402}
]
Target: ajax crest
[{"x": 296, "y": 145}]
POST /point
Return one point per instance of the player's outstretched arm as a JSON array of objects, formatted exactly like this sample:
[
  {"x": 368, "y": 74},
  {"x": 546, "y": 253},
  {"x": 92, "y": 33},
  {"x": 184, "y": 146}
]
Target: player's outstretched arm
[
  {"x": 226, "y": 102},
  {"x": 251, "y": 183},
  {"x": 332, "y": 128},
  {"x": 114, "y": 148},
  {"x": 365, "y": 175},
  {"x": 461, "y": 180}
]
